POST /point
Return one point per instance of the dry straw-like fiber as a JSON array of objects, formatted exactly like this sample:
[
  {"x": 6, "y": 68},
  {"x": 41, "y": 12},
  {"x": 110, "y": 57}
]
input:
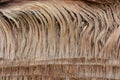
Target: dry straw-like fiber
[{"x": 60, "y": 40}]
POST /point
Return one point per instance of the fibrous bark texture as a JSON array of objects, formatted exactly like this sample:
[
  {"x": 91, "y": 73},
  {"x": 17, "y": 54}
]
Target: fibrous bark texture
[
  {"x": 60, "y": 40},
  {"x": 104, "y": 1}
]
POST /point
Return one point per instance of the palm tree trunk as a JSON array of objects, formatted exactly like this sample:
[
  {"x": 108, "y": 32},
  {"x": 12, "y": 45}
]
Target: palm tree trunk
[{"x": 60, "y": 40}]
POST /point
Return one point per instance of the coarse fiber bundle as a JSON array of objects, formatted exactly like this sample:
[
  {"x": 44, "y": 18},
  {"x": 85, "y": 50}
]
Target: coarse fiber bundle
[{"x": 59, "y": 40}]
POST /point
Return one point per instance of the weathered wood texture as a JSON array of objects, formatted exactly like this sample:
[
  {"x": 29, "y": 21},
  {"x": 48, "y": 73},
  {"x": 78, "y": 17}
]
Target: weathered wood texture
[{"x": 60, "y": 40}]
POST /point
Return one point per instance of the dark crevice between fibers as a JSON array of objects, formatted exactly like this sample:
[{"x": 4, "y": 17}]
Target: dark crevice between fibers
[{"x": 4, "y": 3}]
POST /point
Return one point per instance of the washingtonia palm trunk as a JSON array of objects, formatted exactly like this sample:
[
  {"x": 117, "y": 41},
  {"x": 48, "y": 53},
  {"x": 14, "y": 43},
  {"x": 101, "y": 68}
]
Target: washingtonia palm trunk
[{"x": 60, "y": 40}]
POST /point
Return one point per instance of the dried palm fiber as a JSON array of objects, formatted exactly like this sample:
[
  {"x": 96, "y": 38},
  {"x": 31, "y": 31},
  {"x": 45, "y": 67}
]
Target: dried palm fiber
[
  {"x": 103, "y": 1},
  {"x": 60, "y": 40}
]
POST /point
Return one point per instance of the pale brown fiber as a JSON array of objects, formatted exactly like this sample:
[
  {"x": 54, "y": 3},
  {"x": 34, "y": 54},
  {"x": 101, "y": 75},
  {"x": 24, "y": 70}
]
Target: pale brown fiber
[{"x": 59, "y": 40}]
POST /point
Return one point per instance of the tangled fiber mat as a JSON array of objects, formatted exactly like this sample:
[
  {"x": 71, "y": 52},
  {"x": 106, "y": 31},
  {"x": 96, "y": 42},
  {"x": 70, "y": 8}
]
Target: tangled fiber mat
[{"x": 60, "y": 40}]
